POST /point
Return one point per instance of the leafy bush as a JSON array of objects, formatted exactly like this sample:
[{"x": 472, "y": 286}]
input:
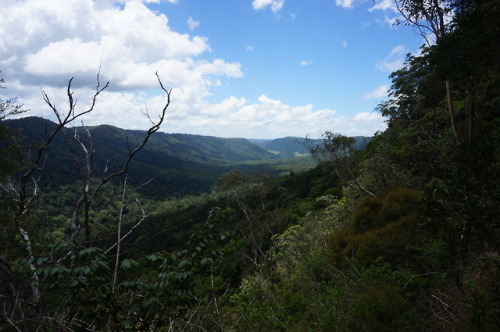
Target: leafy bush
[{"x": 380, "y": 227}]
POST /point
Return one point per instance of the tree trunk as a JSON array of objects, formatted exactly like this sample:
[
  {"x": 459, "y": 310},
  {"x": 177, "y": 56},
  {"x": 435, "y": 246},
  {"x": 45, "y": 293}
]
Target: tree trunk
[{"x": 451, "y": 110}]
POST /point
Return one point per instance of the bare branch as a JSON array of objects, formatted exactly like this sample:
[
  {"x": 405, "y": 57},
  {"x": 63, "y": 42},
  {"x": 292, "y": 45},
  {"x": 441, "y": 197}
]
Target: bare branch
[
  {"x": 119, "y": 235},
  {"x": 125, "y": 167},
  {"x": 154, "y": 128},
  {"x": 137, "y": 224},
  {"x": 63, "y": 120}
]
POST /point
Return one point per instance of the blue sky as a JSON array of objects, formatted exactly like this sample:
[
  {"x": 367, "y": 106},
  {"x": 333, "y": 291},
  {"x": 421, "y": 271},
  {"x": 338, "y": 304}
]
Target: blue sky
[{"x": 238, "y": 68}]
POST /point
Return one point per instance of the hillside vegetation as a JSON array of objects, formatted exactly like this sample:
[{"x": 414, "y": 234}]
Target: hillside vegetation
[
  {"x": 181, "y": 164},
  {"x": 400, "y": 236},
  {"x": 299, "y": 146}
]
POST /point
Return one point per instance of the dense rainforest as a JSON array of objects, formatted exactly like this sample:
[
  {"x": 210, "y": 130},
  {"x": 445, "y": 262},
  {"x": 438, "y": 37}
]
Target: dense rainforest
[
  {"x": 180, "y": 164},
  {"x": 402, "y": 235}
]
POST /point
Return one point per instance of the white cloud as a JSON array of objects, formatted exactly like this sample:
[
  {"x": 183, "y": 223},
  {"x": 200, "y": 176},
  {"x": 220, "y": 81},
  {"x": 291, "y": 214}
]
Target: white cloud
[
  {"x": 233, "y": 117},
  {"x": 305, "y": 63},
  {"x": 344, "y": 3},
  {"x": 392, "y": 21},
  {"x": 394, "y": 61},
  {"x": 380, "y": 92},
  {"x": 192, "y": 24},
  {"x": 398, "y": 50},
  {"x": 390, "y": 66},
  {"x": 275, "y": 5},
  {"x": 249, "y": 48},
  {"x": 73, "y": 36},
  {"x": 73, "y": 55},
  {"x": 392, "y": 15},
  {"x": 367, "y": 117},
  {"x": 43, "y": 44},
  {"x": 271, "y": 118},
  {"x": 385, "y": 5},
  {"x": 344, "y": 44}
]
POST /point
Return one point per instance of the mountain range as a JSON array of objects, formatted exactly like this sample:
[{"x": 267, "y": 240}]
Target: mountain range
[{"x": 181, "y": 164}]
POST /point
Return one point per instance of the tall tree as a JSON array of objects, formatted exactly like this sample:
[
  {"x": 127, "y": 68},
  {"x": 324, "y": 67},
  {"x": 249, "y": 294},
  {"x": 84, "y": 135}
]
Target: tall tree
[
  {"x": 8, "y": 137},
  {"x": 9, "y": 148},
  {"x": 338, "y": 150},
  {"x": 431, "y": 18}
]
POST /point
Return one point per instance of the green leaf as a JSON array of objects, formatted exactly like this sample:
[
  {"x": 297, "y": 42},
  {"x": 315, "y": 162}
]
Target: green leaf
[
  {"x": 206, "y": 260},
  {"x": 88, "y": 251},
  {"x": 152, "y": 257},
  {"x": 184, "y": 263},
  {"x": 40, "y": 261},
  {"x": 127, "y": 264}
]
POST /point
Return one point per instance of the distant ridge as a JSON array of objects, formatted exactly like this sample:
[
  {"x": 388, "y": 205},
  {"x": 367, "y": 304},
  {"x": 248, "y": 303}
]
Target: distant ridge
[
  {"x": 296, "y": 146},
  {"x": 182, "y": 164},
  {"x": 188, "y": 147},
  {"x": 285, "y": 147}
]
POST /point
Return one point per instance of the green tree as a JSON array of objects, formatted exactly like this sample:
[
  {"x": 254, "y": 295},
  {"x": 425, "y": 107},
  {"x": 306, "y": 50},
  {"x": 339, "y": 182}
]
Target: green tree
[
  {"x": 339, "y": 150},
  {"x": 9, "y": 149},
  {"x": 430, "y": 16},
  {"x": 9, "y": 138}
]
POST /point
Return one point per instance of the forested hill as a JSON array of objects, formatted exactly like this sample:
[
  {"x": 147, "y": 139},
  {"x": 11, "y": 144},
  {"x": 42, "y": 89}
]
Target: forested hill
[
  {"x": 286, "y": 146},
  {"x": 181, "y": 164},
  {"x": 297, "y": 146},
  {"x": 185, "y": 147},
  {"x": 194, "y": 148}
]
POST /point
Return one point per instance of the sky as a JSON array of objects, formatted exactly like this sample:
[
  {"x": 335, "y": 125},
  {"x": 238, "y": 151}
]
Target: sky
[{"x": 237, "y": 68}]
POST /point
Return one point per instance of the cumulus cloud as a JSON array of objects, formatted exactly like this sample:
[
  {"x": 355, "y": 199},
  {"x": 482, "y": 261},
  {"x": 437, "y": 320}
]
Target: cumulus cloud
[
  {"x": 380, "y": 92},
  {"x": 78, "y": 36},
  {"x": 275, "y": 5},
  {"x": 44, "y": 44},
  {"x": 394, "y": 61},
  {"x": 274, "y": 116},
  {"x": 271, "y": 118}
]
